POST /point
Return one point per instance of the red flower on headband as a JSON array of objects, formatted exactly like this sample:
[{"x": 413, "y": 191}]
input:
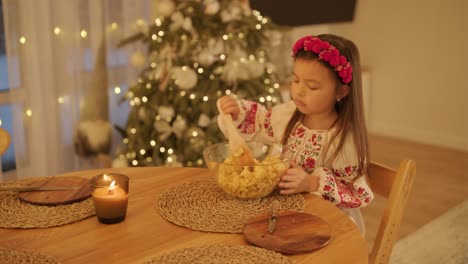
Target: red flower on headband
[{"x": 328, "y": 53}]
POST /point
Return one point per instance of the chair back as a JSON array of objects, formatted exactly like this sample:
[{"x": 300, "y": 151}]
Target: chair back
[{"x": 396, "y": 187}]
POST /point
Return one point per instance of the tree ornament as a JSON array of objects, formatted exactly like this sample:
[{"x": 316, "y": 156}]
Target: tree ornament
[
  {"x": 164, "y": 129},
  {"x": 184, "y": 77},
  {"x": 179, "y": 126},
  {"x": 211, "y": 7},
  {"x": 164, "y": 8},
  {"x": 179, "y": 21},
  {"x": 166, "y": 112},
  {"x": 204, "y": 120}
]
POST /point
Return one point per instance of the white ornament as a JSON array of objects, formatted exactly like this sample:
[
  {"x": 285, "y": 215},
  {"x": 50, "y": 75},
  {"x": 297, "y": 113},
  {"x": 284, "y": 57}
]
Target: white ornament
[
  {"x": 206, "y": 57},
  {"x": 166, "y": 112},
  {"x": 164, "y": 129},
  {"x": 210, "y": 53},
  {"x": 119, "y": 163},
  {"x": 232, "y": 12},
  {"x": 185, "y": 78},
  {"x": 164, "y": 8},
  {"x": 204, "y": 120},
  {"x": 235, "y": 70},
  {"x": 236, "y": 67},
  {"x": 138, "y": 59},
  {"x": 178, "y": 21},
  {"x": 211, "y": 7},
  {"x": 179, "y": 126}
]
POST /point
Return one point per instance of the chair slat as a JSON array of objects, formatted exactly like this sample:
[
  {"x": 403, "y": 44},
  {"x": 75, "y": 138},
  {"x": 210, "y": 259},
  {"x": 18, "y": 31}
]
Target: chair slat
[{"x": 395, "y": 186}]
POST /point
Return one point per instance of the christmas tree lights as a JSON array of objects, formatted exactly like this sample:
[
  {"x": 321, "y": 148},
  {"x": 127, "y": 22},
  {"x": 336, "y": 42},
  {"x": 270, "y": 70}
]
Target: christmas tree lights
[{"x": 197, "y": 53}]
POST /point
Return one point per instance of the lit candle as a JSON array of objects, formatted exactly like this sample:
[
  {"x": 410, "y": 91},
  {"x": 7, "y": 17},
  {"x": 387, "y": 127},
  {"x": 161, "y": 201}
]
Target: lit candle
[{"x": 110, "y": 200}]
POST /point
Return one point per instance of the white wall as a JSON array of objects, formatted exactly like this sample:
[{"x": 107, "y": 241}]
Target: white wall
[{"x": 417, "y": 55}]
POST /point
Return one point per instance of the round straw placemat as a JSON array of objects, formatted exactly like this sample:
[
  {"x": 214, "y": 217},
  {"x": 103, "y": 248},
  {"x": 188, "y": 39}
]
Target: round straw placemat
[
  {"x": 202, "y": 205},
  {"x": 226, "y": 254},
  {"x": 19, "y": 256},
  {"x": 15, "y": 213}
]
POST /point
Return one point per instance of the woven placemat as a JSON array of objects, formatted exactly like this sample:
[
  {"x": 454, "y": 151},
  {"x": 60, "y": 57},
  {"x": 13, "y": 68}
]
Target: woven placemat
[
  {"x": 18, "y": 256},
  {"x": 15, "y": 213},
  {"x": 202, "y": 205},
  {"x": 226, "y": 254}
]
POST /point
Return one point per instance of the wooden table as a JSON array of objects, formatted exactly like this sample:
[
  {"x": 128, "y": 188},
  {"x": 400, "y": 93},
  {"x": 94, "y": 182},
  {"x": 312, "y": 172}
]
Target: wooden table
[{"x": 145, "y": 233}]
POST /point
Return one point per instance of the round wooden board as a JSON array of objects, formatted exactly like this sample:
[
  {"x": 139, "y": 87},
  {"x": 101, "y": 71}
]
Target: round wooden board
[
  {"x": 58, "y": 197},
  {"x": 295, "y": 232}
]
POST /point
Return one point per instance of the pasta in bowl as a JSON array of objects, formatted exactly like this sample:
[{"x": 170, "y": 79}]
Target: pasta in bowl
[{"x": 253, "y": 181}]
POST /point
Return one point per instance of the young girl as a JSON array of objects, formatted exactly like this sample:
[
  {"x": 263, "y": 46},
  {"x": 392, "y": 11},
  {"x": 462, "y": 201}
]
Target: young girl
[{"x": 323, "y": 124}]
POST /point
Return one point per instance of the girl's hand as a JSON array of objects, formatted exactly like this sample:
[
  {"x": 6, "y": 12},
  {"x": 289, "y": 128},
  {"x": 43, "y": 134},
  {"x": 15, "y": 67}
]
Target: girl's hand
[
  {"x": 229, "y": 106},
  {"x": 296, "y": 180}
]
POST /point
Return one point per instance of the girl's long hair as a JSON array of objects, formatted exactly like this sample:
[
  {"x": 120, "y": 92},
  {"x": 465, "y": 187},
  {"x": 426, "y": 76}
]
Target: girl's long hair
[{"x": 350, "y": 108}]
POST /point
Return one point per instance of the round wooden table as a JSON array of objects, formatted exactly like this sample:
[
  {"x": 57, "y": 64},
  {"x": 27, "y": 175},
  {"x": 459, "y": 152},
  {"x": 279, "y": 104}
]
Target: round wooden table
[{"x": 145, "y": 233}]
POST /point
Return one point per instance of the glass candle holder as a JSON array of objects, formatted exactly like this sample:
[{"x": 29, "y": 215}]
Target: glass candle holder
[{"x": 110, "y": 197}]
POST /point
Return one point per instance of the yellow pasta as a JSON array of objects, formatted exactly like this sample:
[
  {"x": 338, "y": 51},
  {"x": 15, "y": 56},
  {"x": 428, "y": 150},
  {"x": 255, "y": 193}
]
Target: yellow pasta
[{"x": 251, "y": 181}]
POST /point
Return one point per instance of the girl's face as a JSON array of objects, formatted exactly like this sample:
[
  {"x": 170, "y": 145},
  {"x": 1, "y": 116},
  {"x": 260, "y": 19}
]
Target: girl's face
[{"x": 313, "y": 88}]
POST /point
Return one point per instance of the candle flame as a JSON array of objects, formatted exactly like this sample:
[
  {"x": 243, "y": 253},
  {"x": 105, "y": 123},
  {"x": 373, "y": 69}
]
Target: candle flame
[{"x": 112, "y": 186}]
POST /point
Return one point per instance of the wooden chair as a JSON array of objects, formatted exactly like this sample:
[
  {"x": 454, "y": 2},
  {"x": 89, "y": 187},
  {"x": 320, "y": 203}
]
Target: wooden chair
[{"x": 395, "y": 186}]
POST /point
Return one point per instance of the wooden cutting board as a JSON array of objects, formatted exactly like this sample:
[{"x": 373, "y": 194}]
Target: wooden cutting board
[
  {"x": 295, "y": 232},
  {"x": 58, "y": 197}
]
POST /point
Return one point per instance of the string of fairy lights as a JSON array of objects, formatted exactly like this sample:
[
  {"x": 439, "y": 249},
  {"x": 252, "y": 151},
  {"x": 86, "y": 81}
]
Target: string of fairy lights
[
  {"x": 83, "y": 34},
  {"x": 133, "y": 100}
]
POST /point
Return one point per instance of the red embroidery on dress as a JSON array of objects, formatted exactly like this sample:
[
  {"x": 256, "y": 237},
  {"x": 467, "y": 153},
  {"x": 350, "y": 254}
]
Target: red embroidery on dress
[
  {"x": 349, "y": 172},
  {"x": 248, "y": 126},
  {"x": 306, "y": 153},
  {"x": 347, "y": 197},
  {"x": 309, "y": 164},
  {"x": 364, "y": 195},
  {"x": 300, "y": 132},
  {"x": 267, "y": 124},
  {"x": 329, "y": 187}
]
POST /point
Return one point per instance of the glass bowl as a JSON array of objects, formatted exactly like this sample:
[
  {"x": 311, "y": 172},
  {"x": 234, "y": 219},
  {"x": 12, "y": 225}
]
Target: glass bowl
[{"x": 253, "y": 181}]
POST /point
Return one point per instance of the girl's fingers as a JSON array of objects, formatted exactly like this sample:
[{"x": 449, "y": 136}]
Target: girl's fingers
[
  {"x": 293, "y": 164},
  {"x": 288, "y": 191},
  {"x": 287, "y": 178},
  {"x": 287, "y": 185}
]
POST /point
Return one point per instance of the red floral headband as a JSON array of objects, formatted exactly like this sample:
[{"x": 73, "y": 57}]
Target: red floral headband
[{"x": 328, "y": 53}]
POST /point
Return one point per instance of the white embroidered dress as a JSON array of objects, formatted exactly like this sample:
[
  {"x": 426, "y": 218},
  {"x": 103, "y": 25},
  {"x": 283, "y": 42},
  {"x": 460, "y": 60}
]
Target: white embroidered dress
[{"x": 337, "y": 183}]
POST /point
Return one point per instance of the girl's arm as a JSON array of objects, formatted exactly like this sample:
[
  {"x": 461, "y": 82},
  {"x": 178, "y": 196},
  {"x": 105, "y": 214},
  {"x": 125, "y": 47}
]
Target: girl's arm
[
  {"x": 256, "y": 123},
  {"x": 338, "y": 187},
  {"x": 344, "y": 183}
]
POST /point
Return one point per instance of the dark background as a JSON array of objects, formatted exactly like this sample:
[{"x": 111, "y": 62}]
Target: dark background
[{"x": 305, "y": 12}]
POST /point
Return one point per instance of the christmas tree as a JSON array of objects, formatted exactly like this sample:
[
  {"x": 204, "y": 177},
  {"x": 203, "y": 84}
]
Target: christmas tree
[{"x": 198, "y": 51}]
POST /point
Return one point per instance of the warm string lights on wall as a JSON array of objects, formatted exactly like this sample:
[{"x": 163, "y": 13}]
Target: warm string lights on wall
[{"x": 83, "y": 34}]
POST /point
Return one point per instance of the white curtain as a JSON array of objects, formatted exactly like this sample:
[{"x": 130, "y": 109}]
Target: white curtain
[{"x": 63, "y": 61}]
